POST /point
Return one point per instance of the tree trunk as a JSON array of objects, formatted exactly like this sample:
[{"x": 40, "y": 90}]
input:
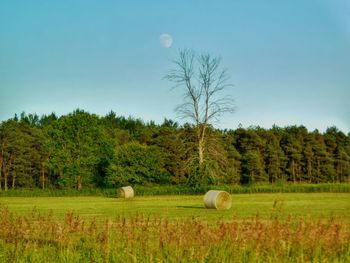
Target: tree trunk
[
  {"x": 42, "y": 177},
  {"x": 201, "y": 153},
  {"x": 309, "y": 170},
  {"x": 79, "y": 182},
  {"x": 318, "y": 171},
  {"x": 293, "y": 171},
  {"x": 1, "y": 160},
  {"x": 13, "y": 180},
  {"x": 339, "y": 173},
  {"x": 5, "y": 179},
  {"x": 6, "y": 171},
  {"x": 2, "y": 166},
  {"x": 298, "y": 172}
]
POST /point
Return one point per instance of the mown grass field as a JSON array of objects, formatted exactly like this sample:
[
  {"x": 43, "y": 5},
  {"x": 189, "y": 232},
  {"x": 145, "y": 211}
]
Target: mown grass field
[
  {"x": 283, "y": 227},
  {"x": 315, "y": 205}
]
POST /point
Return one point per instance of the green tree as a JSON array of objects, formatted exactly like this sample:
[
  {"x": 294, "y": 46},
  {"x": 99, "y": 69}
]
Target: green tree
[
  {"x": 11, "y": 141},
  {"x": 250, "y": 146},
  {"x": 171, "y": 144},
  {"x": 77, "y": 139},
  {"x": 322, "y": 168},
  {"x": 232, "y": 166},
  {"x": 292, "y": 144},
  {"x": 338, "y": 147},
  {"x": 308, "y": 158},
  {"x": 274, "y": 158},
  {"x": 137, "y": 164}
]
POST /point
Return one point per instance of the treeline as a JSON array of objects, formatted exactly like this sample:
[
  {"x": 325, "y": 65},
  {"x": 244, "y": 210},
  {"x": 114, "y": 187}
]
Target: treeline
[{"x": 85, "y": 150}]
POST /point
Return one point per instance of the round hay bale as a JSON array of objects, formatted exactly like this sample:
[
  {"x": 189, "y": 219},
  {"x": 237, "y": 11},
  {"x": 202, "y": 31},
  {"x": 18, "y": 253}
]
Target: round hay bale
[
  {"x": 217, "y": 199},
  {"x": 126, "y": 192}
]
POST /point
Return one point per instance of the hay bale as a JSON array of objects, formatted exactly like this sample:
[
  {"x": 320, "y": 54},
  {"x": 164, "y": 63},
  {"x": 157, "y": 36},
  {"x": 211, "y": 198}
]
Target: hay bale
[
  {"x": 126, "y": 192},
  {"x": 217, "y": 199}
]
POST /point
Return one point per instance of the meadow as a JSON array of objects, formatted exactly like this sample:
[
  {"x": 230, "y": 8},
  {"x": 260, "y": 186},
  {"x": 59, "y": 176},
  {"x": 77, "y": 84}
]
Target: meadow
[
  {"x": 315, "y": 205},
  {"x": 273, "y": 227}
]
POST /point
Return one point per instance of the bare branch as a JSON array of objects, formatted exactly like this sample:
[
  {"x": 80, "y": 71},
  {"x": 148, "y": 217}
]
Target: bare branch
[{"x": 206, "y": 101}]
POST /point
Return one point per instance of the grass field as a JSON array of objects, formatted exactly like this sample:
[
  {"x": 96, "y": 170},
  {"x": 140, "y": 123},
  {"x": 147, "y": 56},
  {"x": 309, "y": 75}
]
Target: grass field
[
  {"x": 184, "y": 190},
  {"x": 316, "y": 205},
  {"x": 298, "y": 227}
]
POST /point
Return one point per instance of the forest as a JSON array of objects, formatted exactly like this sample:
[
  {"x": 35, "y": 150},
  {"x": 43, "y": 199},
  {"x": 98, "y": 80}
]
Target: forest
[{"x": 80, "y": 150}]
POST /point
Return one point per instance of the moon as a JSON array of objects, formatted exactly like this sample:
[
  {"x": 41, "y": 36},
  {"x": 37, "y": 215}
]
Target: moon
[{"x": 165, "y": 40}]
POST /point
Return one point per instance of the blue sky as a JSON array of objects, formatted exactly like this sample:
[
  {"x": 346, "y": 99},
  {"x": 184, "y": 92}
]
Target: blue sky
[{"x": 289, "y": 61}]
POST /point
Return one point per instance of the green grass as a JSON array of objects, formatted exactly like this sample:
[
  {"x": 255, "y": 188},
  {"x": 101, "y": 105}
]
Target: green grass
[
  {"x": 315, "y": 205},
  {"x": 185, "y": 190}
]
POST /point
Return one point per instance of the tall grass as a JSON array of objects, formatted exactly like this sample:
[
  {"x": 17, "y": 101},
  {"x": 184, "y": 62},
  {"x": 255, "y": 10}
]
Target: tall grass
[
  {"x": 44, "y": 238},
  {"x": 239, "y": 189},
  {"x": 185, "y": 190}
]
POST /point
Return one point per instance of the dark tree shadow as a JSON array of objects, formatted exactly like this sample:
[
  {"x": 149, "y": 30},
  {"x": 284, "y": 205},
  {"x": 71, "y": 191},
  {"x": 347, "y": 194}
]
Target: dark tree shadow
[{"x": 190, "y": 206}]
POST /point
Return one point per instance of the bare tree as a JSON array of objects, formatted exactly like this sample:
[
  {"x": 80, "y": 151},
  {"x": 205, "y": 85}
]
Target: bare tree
[{"x": 204, "y": 85}]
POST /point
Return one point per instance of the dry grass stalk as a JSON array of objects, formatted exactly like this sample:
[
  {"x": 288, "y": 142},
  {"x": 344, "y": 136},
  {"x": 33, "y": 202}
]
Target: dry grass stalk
[{"x": 43, "y": 238}]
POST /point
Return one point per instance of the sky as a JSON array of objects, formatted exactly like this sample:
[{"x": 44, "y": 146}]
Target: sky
[{"x": 288, "y": 61}]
